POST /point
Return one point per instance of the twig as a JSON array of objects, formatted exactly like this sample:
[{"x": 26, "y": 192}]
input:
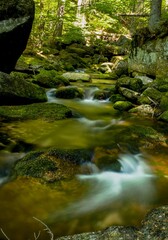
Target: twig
[
  {"x": 4, "y": 234},
  {"x": 38, "y": 235},
  {"x": 47, "y": 229}
]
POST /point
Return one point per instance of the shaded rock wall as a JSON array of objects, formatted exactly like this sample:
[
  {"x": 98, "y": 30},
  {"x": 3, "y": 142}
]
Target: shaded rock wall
[{"x": 150, "y": 57}]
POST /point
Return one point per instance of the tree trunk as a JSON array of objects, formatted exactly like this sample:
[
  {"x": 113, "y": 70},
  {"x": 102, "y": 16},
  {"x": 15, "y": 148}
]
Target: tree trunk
[
  {"x": 155, "y": 15},
  {"x": 60, "y": 14}
]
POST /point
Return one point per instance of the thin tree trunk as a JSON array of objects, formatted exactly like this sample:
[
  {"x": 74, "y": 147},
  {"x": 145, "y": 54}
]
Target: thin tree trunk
[
  {"x": 59, "y": 23},
  {"x": 155, "y": 15}
]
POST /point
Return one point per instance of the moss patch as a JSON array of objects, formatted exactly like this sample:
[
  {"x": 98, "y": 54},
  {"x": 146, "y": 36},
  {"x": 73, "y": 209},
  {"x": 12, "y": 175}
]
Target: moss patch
[{"x": 45, "y": 111}]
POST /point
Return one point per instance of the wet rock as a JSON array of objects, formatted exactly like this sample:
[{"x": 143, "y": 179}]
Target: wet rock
[
  {"x": 122, "y": 105},
  {"x": 69, "y": 92},
  {"x": 16, "y": 18},
  {"x": 44, "y": 111},
  {"x": 74, "y": 76},
  {"x": 154, "y": 226},
  {"x": 52, "y": 165},
  {"x": 15, "y": 91}
]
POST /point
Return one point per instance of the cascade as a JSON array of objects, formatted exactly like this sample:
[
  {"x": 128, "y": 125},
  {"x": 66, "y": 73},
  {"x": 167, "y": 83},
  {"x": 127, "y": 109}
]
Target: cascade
[{"x": 134, "y": 182}]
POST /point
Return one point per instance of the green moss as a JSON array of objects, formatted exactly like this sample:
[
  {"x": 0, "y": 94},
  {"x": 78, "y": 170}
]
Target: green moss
[
  {"x": 69, "y": 92},
  {"x": 46, "y": 111},
  {"x": 152, "y": 93},
  {"x": 134, "y": 84},
  {"x": 50, "y": 79},
  {"x": 34, "y": 165},
  {"x": 122, "y": 105},
  {"x": 164, "y": 102},
  {"x": 116, "y": 97},
  {"x": 52, "y": 165},
  {"x": 164, "y": 116}
]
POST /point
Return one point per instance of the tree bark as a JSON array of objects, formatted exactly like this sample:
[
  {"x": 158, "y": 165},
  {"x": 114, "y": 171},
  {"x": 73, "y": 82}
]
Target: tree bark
[
  {"x": 155, "y": 15},
  {"x": 60, "y": 14}
]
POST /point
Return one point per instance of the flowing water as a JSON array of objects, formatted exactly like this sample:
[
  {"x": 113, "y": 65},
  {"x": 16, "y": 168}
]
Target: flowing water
[{"x": 87, "y": 202}]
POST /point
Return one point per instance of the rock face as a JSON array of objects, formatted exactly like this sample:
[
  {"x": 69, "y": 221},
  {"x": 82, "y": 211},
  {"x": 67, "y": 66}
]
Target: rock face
[
  {"x": 150, "y": 57},
  {"x": 16, "y": 18}
]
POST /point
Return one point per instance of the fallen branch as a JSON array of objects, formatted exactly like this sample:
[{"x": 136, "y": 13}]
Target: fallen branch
[
  {"x": 4, "y": 234},
  {"x": 47, "y": 229}
]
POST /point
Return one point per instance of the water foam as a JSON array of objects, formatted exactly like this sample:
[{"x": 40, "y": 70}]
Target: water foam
[{"x": 133, "y": 183}]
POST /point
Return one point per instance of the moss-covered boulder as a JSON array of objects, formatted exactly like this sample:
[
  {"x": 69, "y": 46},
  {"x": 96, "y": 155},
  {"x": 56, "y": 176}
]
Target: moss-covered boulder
[
  {"x": 69, "y": 92},
  {"x": 15, "y": 91},
  {"x": 164, "y": 102},
  {"x": 75, "y": 76},
  {"x": 134, "y": 84},
  {"x": 129, "y": 94},
  {"x": 50, "y": 79},
  {"x": 122, "y": 105},
  {"x": 164, "y": 116},
  {"x": 52, "y": 165},
  {"x": 101, "y": 94},
  {"x": 45, "y": 111},
  {"x": 75, "y": 49},
  {"x": 116, "y": 97},
  {"x": 153, "y": 94},
  {"x": 161, "y": 84}
]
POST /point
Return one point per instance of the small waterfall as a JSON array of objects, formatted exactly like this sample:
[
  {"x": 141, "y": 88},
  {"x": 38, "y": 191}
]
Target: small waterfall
[
  {"x": 51, "y": 95},
  {"x": 133, "y": 183},
  {"x": 89, "y": 93}
]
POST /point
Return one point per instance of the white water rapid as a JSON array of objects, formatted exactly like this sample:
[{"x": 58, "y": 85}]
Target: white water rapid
[{"x": 134, "y": 183}]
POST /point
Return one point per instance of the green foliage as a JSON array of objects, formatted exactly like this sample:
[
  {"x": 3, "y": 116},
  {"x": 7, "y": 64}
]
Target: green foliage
[
  {"x": 102, "y": 17},
  {"x": 73, "y": 35}
]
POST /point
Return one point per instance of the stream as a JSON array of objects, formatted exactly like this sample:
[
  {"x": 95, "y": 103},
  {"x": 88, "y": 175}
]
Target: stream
[{"x": 87, "y": 202}]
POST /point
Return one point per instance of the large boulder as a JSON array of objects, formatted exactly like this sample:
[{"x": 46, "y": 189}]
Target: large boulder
[
  {"x": 16, "y": 18},
  {"x": 15, "y": 91}
]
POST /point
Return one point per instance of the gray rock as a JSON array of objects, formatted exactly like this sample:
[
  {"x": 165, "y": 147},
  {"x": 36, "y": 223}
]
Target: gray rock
[
  {"x": 150, "y": 58},
  {"x": 129, "y": 94},
  {"x": 73, "y": 77},
  {"x": 143, "y": 110},
  {"x": 16, "y": 18}
]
